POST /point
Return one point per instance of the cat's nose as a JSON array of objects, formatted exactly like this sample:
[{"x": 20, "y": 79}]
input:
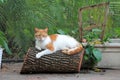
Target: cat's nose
[{"x": 41, "y": 39}]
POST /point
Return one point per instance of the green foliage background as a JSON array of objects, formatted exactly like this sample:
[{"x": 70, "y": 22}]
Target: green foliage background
[{"x": 18, "y": 18}]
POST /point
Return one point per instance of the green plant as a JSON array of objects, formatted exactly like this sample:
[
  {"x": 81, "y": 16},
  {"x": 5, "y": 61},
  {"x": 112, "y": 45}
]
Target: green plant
[
  {"x": 3, "y": 42},
  {"x": 15, "y": 22},
  {"x": 92, "y": 56},
  {"x": 19, "y": 17},
  {"x": 117, "y": 32},
  {"x": 92, "y": 35}
]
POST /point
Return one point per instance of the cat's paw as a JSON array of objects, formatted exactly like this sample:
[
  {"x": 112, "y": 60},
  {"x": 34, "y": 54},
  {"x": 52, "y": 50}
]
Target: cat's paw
[
  {"x": 38, "y": 55},
  {"x": 37, "y": 47},
  {"x": 65, "y": 50}
]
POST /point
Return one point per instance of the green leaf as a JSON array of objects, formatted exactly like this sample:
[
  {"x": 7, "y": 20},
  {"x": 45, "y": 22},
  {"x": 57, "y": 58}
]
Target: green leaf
[
  {"x": 60, "y": 31},
  {"x": 7, "y": 48},
  {"x": 96, "y": 30},
  {"x": 89, "y": 48},
  {"x": 3, "y": 42},
  {"x": 1, "y": 33},
  {"x": 97, "y": 54},
  {"x": 86, "y": 57},
  {"x": 87, "y": 51}
]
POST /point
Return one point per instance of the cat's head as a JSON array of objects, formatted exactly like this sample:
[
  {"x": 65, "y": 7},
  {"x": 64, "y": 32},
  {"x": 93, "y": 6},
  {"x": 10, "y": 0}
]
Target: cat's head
[{"x": 41, "y": 34}]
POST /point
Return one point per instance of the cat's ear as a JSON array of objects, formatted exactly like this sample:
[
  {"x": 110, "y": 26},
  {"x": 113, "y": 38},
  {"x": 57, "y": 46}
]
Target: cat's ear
[
  {"x": 36, "y": 29},
  {"x": 46, "y": 29}
]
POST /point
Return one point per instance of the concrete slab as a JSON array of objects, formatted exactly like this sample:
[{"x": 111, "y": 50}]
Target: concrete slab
[{"x": 10, "y": 71}]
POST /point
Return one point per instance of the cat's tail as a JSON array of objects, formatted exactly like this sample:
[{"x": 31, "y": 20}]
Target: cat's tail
[{"x": 75, "y": 50}]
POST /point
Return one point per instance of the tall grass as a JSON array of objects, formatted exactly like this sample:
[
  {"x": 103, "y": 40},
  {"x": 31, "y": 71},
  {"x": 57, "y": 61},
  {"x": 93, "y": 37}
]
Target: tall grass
[{"x": 19, "y": 17}]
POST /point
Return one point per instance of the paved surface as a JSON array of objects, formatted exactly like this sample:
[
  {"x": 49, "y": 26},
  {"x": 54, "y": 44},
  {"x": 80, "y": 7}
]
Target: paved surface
[{"x": 11, "y": 72}]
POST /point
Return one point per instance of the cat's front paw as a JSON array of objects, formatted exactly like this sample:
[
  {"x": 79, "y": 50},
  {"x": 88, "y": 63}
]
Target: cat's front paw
[
  {"x": 38, "y": 55},
  {"x": 37, "y": 47}
]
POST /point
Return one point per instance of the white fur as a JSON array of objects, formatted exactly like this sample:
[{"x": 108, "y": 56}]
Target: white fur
[{"x": 62, "y": 42}]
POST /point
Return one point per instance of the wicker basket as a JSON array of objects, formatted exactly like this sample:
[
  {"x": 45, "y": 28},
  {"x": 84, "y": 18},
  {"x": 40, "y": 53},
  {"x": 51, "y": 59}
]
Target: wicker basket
[{"x": 56, "y": 62}]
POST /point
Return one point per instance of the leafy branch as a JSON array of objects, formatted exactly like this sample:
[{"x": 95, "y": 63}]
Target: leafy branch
[{"x": 3, "y": 43}]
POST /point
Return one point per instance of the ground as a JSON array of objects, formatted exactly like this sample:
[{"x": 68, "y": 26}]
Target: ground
[{"x": 10, "y": 71}]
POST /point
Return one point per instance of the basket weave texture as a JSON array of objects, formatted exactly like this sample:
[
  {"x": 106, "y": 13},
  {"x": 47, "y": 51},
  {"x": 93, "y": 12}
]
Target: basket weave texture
[{"x": 56, "y": 62}]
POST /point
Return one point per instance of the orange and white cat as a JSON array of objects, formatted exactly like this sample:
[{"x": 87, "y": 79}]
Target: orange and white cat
[{"x": 55, "y": 42}]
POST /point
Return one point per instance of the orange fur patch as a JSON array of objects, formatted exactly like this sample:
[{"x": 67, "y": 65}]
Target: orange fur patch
[
  {"x": 39, "y": 33},
  {"x": 71, "y": 52},
  {"x": 50, "y": 46},
  {"x": 80, "y": 48},
  {"x": 53, "y": 37}
]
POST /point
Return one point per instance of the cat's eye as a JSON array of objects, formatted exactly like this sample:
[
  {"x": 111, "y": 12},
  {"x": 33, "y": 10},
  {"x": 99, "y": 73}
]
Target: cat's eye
[
  {"x": 44, "y": 35},
  {"x": 37, "y": 35}
]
